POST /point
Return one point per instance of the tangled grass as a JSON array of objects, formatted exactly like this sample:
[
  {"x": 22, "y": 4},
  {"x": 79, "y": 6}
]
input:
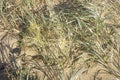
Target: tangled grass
[{"x": 64, "y": 35}]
